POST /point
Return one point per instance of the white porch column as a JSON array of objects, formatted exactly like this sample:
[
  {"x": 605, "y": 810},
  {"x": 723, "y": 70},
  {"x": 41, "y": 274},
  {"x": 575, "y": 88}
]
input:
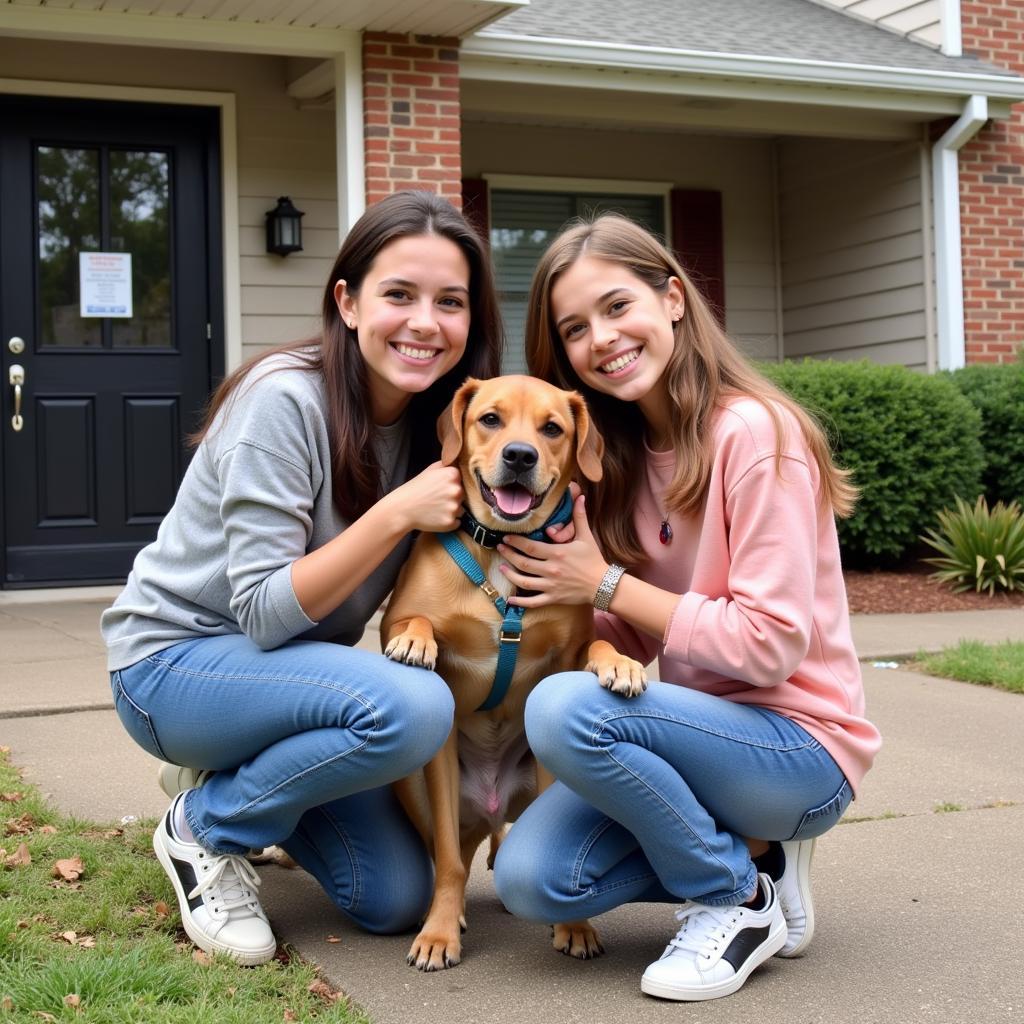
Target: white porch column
[
  {"x": 348, "y": 133},
  {"x": 952, "y": 44},
  {"x": 949, "y": 279}
]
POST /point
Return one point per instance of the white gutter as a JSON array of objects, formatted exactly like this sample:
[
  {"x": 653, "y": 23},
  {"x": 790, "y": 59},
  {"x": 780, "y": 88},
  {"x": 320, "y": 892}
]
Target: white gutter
[
  {"x": 949, "y": 278},
  {"x": 618, "y": 57}
]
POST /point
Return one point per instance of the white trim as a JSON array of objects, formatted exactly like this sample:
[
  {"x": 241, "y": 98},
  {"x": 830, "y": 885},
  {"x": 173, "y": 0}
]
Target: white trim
[
  {"x": 780, "y": 335},
  {"x": 536, "y": 183},
  {"x": 180, "y": 32},
  {"x": 949, "y": 279},
  {"x": 952, "y": 37},
  {"x": 928, "y": 247},
  {"x": 225, "y": 101},
  {"x": 350, "y": 162},
  {"x": 616, "y": 57}
]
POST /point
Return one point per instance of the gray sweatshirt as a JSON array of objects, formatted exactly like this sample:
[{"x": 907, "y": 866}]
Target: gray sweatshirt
[{"x": 256, "y": 497}]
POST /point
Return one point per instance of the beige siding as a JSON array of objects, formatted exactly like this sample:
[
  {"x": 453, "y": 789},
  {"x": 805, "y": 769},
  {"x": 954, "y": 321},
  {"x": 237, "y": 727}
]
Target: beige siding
[
  {"x": 853, "y": 265},
  {"x": 920, "y": 20},
  {"x": 282, "y": 150},
  {"x": 739, "y": 168}
]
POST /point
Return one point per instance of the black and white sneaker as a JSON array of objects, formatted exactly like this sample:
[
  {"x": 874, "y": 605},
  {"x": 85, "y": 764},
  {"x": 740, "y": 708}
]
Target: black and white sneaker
[
  {"x": 794, "y": 886},
  {"x": 716, "y": 948},
  {"x": 218, "y": 895}
]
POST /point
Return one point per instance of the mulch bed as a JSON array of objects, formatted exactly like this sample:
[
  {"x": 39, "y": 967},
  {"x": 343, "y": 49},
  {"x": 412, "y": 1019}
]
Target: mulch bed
[{"x": 879, "y": 592}]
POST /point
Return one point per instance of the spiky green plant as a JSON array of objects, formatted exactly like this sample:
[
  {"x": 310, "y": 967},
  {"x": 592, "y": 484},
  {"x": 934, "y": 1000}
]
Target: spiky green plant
[{"x": 979, "y": 547}]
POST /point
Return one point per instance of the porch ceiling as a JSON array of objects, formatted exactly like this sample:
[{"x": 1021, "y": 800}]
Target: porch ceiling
[{"x": 435, "y": 18}]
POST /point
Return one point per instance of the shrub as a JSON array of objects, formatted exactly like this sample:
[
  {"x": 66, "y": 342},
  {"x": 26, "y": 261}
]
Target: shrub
[
  {"x": 979, "y": 548},
  {"x": 910, "y": 439},
  {"x": 997, "y": 392}
]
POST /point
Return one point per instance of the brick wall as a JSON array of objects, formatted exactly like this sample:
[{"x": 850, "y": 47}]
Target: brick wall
[
  {"x": 412, "y": 127},
  {"x": 992, "y": 196}
]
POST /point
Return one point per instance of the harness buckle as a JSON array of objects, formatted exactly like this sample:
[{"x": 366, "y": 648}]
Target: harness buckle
[
  {"x": 479, "y": 534},
  {"x": 510, "y": 637},
  {"x": 488, "y": 588}
]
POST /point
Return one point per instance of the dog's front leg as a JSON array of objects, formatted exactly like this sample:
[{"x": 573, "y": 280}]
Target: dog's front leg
[
  {"x": 438, "y": 944},
  {"x": 578, "y": 939}
]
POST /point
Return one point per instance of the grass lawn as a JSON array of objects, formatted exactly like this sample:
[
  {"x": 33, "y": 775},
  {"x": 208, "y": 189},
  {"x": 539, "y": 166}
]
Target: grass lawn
[
  {"x": 90, "y": 932},
  {"x": 1000, "y": 665}
]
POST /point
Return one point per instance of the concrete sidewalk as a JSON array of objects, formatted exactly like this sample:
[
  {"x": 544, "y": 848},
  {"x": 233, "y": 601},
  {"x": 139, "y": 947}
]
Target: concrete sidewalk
[{"x": 916, "y": 919}]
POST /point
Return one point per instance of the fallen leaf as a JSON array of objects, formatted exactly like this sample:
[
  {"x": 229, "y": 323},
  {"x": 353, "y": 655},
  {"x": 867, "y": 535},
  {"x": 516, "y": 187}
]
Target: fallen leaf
[
  {"x": 232, "y": 989},
  {"x": 319, "y": 987},
  {"x": 69, "y": 937},
  {"x": 332, "y": 938},
  {"x": 87, "y": 942},
  {"x": 5, "y": 750},
  {"x": 20, "y": 826},
  {"x": 290, "y": 1015},
  {"x": 200, "y": 956},
  {"x": 73, "y": 1000},
  {"x": 23, "y": 924},
  {"x": 70, "y": 869},
  {"x": 11, "y": 798},
  {"x": 43, "y": 1014},
  {"x": 48, "y": 830},
  {"x": 161, "y": 908},
  {"x": 20, "y": 857},
  {"x": 7, "y": 1003}
]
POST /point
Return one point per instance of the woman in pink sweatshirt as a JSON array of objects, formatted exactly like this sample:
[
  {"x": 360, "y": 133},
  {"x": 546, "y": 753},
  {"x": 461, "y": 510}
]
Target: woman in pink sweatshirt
[{"x": 711, "y": 544}]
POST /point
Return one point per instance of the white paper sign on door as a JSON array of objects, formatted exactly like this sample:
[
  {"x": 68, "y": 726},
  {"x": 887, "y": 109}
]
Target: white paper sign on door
[{"x": 105, "y": 280}]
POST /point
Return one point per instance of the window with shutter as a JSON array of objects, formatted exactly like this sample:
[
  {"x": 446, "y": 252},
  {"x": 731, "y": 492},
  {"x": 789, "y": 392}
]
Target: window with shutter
[{"x": 524, "y": 223}]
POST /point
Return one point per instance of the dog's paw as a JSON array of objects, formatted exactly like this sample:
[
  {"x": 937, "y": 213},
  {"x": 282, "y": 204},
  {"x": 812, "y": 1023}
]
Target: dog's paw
[
  {"x": 412, "y": 649},
  {"x": 434, "y": 951},
  {"x": 578, "y": 939},
  {"x": 622, "y": 675}
]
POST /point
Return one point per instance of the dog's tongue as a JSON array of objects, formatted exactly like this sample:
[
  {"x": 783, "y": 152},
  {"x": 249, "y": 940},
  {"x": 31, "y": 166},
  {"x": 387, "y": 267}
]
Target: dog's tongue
[{"x": 513, "y": 500}]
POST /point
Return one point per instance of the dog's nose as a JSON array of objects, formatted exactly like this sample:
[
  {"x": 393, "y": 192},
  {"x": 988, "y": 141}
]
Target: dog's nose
[{"x": 519, "y": 457}]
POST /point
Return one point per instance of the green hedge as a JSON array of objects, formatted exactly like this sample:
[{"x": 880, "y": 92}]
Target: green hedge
[
  {"x": 911, "y": 440},
  {"x": 997, "y": 392}
]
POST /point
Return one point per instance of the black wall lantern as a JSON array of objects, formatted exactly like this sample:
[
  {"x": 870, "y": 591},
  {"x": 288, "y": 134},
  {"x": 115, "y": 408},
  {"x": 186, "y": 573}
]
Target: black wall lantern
[{"x": 284, "y": 228}]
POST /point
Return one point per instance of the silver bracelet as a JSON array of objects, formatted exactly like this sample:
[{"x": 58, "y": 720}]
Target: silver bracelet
[{"x": 603, "y": 597}]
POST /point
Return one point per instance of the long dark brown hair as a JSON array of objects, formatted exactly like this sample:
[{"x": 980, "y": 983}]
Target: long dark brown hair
[
  {"x": 704, "y": 370},
  {"x": 335, "y": 354}
]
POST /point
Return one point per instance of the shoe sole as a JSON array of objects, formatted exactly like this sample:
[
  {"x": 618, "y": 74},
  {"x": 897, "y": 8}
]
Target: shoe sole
[
  {"x": 762, "y": 954},
  {"x": 170, "y": 778},
  {"x": 804, "y": 873},
  {"x": 252, "y": 958}
]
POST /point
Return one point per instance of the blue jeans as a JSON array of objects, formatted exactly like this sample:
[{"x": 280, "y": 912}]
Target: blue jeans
[
  {"x": 654, "y": 798},
  {"x": 304, "y": 741}
]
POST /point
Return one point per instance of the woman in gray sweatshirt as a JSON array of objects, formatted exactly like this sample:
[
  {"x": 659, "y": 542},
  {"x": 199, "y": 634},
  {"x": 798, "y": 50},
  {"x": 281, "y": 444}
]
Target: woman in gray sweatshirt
[{"x": 230, "y": 646}]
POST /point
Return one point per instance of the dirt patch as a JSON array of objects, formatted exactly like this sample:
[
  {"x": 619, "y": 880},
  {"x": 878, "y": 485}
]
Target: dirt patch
[{"x": 874, "y": 593}]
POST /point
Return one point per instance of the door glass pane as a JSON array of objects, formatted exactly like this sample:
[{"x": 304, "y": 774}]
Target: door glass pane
[
  {"x": 523, "y": 225},
  {"x": 140, "y": 226},
  {"x": 68, "y": 219}
]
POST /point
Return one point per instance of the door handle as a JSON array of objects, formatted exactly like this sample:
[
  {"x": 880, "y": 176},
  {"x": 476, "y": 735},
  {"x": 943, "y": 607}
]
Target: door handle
[{"x": 16, "y": 376}]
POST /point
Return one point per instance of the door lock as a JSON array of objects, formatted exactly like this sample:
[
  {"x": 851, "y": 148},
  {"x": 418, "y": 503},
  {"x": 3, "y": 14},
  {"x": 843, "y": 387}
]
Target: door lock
[
  {"x": 16, "y": 346},
  {"x": 16, "y": 376}
]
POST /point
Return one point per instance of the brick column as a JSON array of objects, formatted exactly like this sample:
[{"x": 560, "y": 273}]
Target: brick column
[
  {"x": 411, "y": 100},
  {"x": 992, "y": 196}
]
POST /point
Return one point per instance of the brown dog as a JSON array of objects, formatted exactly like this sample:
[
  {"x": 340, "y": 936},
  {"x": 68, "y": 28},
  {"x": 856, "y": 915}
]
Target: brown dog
[{"x": 518, "y": 441}]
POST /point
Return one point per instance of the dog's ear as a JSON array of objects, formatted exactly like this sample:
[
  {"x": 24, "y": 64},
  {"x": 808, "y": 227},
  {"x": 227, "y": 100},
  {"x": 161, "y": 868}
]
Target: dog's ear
[
  {"x": 589, "y": 442},
  {"x": 449, "y": 423}
]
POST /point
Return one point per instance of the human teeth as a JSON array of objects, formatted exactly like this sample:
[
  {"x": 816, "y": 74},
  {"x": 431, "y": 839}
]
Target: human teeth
[
  {"x": 620, "y": 361},
  {"x": 416, "y": 353}
]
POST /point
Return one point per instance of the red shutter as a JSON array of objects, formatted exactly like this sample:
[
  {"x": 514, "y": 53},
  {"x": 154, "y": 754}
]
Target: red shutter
[
  {"x": 697, "y": 240},
  {"x": 475, "y": 207}
]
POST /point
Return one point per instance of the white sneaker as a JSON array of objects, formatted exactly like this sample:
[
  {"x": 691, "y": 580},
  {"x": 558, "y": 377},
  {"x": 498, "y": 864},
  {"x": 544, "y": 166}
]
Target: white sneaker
[
  {"x": 217, "y": 895},
  {"x": 716, "y": 948},
  {"x": 794, "y": 886},
  {"x": 175, "y": 779}
]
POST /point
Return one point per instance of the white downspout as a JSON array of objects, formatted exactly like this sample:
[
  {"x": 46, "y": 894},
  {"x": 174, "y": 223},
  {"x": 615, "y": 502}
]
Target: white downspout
[
  {"x": 949, "y": 279},
  {"x": 350, "y": 165}
]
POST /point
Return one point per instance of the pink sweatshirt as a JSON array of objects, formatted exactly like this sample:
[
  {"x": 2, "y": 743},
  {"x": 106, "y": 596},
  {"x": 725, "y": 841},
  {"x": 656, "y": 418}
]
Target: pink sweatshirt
[{"x": 763, "y": 617}]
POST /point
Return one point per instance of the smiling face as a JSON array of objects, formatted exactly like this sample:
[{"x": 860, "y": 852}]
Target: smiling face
[
  {"x": 617, "y": 330},
  {"x": 411, "y": 316},
  {"x": 518, "y": 441}
]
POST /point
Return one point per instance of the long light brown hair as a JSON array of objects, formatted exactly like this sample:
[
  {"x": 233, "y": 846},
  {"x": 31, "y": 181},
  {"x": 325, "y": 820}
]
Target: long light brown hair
[
  {"x": 335, "y": 354},
  {"x": 703, "y": 372}
]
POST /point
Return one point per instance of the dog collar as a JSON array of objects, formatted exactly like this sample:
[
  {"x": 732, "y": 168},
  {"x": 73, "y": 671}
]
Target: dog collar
[{"x": 488, "y": 538}]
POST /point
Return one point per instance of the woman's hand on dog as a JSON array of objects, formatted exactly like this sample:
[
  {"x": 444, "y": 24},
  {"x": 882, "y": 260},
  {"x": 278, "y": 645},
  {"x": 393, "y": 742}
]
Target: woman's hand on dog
[
  {"x": 565, "y": 572},
  {"x": 431, "y": 501}
]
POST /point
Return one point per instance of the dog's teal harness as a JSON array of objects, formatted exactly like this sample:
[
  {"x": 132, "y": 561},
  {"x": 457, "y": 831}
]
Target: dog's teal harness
[{"x": 511, "y": 614}]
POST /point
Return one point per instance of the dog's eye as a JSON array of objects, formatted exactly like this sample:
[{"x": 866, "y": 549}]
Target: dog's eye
[
  {"x": 490, "y": 419},
  {"x": 552, "y": 430}
]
